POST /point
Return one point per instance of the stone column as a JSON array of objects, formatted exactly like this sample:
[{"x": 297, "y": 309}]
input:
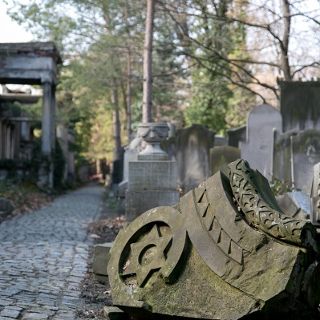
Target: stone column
[
  {"x": 48, "y": 123},
  {"x": 47, "y": 120},
  {"x": 53, "y": 117}
]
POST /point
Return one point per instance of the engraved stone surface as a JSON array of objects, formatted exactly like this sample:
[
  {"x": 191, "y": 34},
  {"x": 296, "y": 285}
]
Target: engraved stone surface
[
  {"x": 151, "y": 184},
  {"x": 191, "y": 149},
  {"x": 263, "y": 120},
  {"x": 295, "y": 154},
  {"x": 300, "y": 105},
  {"x": 225, "y": 251}
]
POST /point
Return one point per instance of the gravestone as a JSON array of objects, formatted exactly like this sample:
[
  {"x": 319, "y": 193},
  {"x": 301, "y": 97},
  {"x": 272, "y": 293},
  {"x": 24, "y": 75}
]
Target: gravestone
[
  {"x": 300, "y": 105},
  {"x": 191, "y": 149},
  {"x": 295, "y": 154},
  {"x": 152, "y": 178},
  {"x": 225, "y": 251},
  {"x": 130, "y": 154},
  {"x": 295, "y": 204},
  {"x": 263, "y": 122},
  {"x": 221, "y": 156},
  {"x": 236, "y": 135},
  {"x": 220, "y": 141}
]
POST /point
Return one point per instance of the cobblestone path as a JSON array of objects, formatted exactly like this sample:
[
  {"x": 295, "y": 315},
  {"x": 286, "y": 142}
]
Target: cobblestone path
[{"x": 43, "y": 257}]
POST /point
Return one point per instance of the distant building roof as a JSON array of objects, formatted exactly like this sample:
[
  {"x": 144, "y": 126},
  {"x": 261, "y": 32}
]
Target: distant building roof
[{"x": 47, "y": 49}]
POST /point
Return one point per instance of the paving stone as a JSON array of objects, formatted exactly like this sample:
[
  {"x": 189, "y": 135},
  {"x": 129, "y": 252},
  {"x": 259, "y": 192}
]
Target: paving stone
[{"x": 44, "y": 256}]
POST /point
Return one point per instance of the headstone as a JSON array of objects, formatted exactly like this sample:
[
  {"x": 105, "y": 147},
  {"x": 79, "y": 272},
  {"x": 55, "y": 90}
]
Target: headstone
[
  {"x": 300, "y": 105},
  {"x": 152, "y": 178},
  {"x": 263, "y": 122},
  {"x": 225, "y": 251},
  {"x": 295, "y": 154},
  {"x": 295, "y": 204},
  {"x": 236, "y": 135},
  {"x": 130, "y": 154},
  {"x": 221, "y": 156},
  {"x": 191, "y": 149},
  {"x": 220, "y": 141}
]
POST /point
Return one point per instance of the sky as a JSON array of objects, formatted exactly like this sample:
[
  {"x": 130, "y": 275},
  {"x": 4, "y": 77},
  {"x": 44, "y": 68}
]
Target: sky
[{"x": 10, "y": 31}]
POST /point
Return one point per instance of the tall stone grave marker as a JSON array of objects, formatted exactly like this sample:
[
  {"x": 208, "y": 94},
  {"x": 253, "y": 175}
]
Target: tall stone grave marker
[
  {"x": 263, "y": 122},
  {"x": 300, "y": 105},
  {"x": 152, "y": 178},
  {"x": 236, "y": 135},
  {"x": 295, "y": 154},
  {"x": 191, "y": 149}
]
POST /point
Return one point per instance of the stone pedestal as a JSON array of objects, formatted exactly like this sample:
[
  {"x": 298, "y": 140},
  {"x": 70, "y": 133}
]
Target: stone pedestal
[{"x": 150, "y": 184}]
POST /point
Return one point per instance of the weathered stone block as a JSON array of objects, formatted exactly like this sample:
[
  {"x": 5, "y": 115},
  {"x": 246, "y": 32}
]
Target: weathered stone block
[
  {"x": 263, "y": 121},
  {"x": 101, "y": 258},
  {"x": 114, "y": 313},
  {"x": 225, "y": 251}
]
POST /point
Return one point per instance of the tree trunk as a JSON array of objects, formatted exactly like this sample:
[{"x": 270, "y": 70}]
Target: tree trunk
[
  {"x": 129, "y": 129},
  {"x": 147, "y": 64},
  {"x": 285, "y": 65},
  {"x": 129, "y": 67},
  {"x": 116, "y": 124}
]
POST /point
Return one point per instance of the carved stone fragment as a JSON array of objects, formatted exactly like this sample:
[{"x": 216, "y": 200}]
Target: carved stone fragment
[{"x": 225, "y": 251}]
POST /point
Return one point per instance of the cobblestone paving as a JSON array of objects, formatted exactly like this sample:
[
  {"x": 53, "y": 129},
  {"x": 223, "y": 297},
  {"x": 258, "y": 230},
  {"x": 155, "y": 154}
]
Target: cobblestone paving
[{"x": 43, "y": 257}]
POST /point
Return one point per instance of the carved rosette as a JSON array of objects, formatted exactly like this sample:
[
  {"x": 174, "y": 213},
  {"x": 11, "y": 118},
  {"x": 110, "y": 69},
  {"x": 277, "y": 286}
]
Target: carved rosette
[
  {"x": 259, "y": 214},
  {"x": 150, "y": 247}
]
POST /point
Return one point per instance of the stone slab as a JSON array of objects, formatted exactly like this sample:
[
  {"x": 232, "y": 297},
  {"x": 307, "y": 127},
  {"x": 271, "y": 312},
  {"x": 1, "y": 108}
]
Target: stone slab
[
  {"x": 297, "y": 153},
  {"x": 263, "y": 120},
  {"x": 300, "y": 105},
  {"x": 190, "y": 148},
  {"x": 101, "y": 258},
  {"x": 152, "y": 175},
  {"x": 114, "y": 313}
]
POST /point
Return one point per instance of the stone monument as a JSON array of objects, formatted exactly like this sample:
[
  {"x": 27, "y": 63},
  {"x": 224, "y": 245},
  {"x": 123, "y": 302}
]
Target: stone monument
[
  {"x": 221, "y": 156},
  {"x": 190, "y": 147},
  {"x": 224, "y": 251},
  {"x": 263, "y": 121},
  {"x": 152, "y": 178},
  {"x": 295, "y": 154},
  {"x": 300, "y": 105}
]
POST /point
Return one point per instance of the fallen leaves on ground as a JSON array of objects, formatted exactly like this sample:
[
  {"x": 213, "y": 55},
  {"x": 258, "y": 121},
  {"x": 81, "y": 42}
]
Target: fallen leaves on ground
[
  {"x": 24, "y": 197},
  {"x": 99, "y": 228}
]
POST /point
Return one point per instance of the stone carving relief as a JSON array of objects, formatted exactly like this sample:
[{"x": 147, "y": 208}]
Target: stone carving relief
[{"x": 226, "y": 250}]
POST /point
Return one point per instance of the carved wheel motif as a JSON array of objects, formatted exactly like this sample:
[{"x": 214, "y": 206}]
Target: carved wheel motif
[{"x": 151, "y": 246}]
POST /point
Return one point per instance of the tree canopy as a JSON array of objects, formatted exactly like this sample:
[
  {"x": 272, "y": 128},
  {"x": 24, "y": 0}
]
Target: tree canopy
[{"x": 212, "y": 60}]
